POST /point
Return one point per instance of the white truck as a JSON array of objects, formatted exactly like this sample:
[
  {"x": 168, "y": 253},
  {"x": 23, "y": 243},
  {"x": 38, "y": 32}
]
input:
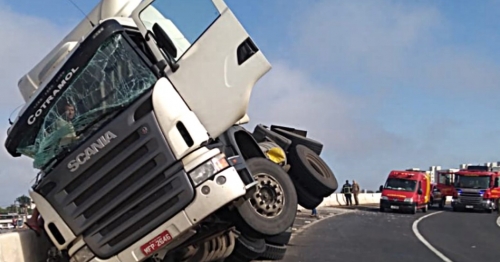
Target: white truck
[{"x": 131, "y": 121}]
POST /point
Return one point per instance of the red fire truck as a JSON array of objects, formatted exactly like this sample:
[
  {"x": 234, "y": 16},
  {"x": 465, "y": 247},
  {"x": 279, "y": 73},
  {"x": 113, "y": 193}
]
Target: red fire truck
[
  {"x": 476, "y": 188},
  {"x": 406, "y": 190},
  {"x": 444, "y": 186}
]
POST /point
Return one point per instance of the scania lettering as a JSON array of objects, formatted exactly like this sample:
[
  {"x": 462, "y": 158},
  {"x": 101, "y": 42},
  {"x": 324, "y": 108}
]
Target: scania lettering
[
  {"x": 160, "y": 184},
  {"x": 93, "y": 149},
  {"x": 47, "y": 102}
]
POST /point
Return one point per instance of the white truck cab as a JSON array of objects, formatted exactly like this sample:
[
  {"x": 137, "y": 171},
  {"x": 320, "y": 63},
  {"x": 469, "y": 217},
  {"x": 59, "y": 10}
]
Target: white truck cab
[{"x": 119, "y": 116}]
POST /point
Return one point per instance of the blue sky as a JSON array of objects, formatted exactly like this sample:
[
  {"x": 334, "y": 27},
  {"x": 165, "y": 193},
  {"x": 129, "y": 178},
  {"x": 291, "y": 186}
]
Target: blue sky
[{"x": 383, "y": 84}]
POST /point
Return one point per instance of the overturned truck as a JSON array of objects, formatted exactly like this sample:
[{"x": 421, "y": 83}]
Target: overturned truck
[{"x": 135, "y": 123}]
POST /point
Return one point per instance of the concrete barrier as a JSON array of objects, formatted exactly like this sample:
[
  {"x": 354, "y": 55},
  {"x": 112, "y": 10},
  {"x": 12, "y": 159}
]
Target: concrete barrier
[
  {"x": 23, "y": 246},
  {"x": 364, "y": 199},
  {"x": 339, "y": 200}
]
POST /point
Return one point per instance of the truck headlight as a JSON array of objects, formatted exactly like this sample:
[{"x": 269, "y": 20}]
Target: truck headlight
[
  {"x": 208, "y": 169},
  {"x": 384, "y": 198},
  {"x": 408, "y": 200}
]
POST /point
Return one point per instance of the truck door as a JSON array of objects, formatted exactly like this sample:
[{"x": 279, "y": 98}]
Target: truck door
[
  {"x": 495, "y": 191},
  {"x": 419, "y": 196},
  {"x": 445, "y": 184},
  {"x": 218, "y": 63}
]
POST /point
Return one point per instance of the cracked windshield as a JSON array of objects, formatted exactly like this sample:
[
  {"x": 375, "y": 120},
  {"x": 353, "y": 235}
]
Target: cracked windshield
[{"x": 113, "y": 78}]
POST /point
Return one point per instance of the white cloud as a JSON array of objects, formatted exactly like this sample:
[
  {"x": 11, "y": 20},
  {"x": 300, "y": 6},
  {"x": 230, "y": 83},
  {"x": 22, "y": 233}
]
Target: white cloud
[{"x": 26, "y": 40}]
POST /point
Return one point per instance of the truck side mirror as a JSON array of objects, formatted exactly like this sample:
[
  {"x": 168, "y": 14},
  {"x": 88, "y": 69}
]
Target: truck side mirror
[
  {"x": 497, "y": 182},
  {"x": 420, "y": 191},
  {"x": 381, "y": 188}
]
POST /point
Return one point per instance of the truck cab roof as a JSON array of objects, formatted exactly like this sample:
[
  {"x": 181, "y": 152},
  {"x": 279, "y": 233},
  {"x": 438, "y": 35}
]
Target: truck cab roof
[
  {"x": 465, "y": 172},
  {"x": 405, "y": 174}
]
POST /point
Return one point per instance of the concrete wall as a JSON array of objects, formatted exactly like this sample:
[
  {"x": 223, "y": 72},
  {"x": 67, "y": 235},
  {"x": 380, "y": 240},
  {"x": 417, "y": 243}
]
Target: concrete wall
[
  {"x": 339, "y": 200},
  {"x": 23, "y": 246},
  {"x": 364, "y": 199}
]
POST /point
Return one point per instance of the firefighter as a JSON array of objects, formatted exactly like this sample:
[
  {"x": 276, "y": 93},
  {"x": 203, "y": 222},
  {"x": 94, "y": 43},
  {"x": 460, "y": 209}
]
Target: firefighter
[{"x": 347, "y": 190}]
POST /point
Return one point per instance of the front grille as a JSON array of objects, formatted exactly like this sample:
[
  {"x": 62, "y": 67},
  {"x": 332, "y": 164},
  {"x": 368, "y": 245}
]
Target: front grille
[
  {"x": 470, "y": 198},
  {"x": 123, "y": 192}
]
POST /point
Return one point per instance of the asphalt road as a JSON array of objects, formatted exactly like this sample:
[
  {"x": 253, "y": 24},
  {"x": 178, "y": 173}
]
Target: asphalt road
[
  {"x": 374, "y": 236},
  {"x": 464, "y": 236}
]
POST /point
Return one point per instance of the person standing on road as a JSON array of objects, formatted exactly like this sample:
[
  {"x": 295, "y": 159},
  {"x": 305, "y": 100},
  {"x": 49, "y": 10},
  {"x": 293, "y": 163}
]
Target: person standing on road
[
  {"x": 314, "y": 213},
  {"x": 346, "y": 190},
  {"x": 355, "y": 191}
]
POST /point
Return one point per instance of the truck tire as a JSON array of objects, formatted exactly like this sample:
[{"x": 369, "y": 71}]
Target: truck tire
[
  {"x": 305, "y": 198},
  {"x": 312, "y": 172},
  {"x": 273, "y": 253},
  {"x": 273, "y": 207},
  {"x": 280, "y": 239},
  {"x": 247, "y": 249},
  {"x": 425, "y": 208},
  {"x": 414, "y": 209},
  {"x": 296, "y": 139}
]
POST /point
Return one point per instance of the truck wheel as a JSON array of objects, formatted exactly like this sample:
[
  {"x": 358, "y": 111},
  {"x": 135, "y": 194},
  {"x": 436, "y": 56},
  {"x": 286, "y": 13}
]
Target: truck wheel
[
  {"x": 424, "y": 209},
  {"x": 414, "y": 210},
  {"x": 305, "y": 198},
  {"x": 273, "y": 207},
  {"x": 312, "y": 172},
  {"x": 297, "y": 139},
  {"x": 382, "y": 209},
  {"x": 273, "y": 253},
  {"x": 247, "y": 249},
  {"x": 280, "y": 239}
]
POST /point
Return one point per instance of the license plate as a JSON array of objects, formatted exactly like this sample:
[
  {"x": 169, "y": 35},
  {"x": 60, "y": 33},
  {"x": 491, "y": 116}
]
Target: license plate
[
  {"x": 156, "y": 243},
  {"x": 468, "y": 206},
  {"x": 394, "y": 207}
]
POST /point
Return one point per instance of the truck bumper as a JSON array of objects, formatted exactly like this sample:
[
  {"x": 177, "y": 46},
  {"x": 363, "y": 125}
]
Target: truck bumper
[
  {"x": 397, "y": 205},
  {"x": 211, "y": 195},
  {"x": 480, "y": 205}
]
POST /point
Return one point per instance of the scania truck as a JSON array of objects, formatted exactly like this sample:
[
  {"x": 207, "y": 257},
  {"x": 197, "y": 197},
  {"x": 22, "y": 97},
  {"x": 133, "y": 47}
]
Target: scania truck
[
  {"x": 476, "y": 188},
  {"x": 124, "y": 118}
]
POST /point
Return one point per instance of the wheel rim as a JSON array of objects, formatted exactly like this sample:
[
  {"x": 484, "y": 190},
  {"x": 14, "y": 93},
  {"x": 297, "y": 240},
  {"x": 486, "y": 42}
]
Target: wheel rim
[
  {"x": 269, "y": 200},
  {"x": 317, "y": 167}
]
